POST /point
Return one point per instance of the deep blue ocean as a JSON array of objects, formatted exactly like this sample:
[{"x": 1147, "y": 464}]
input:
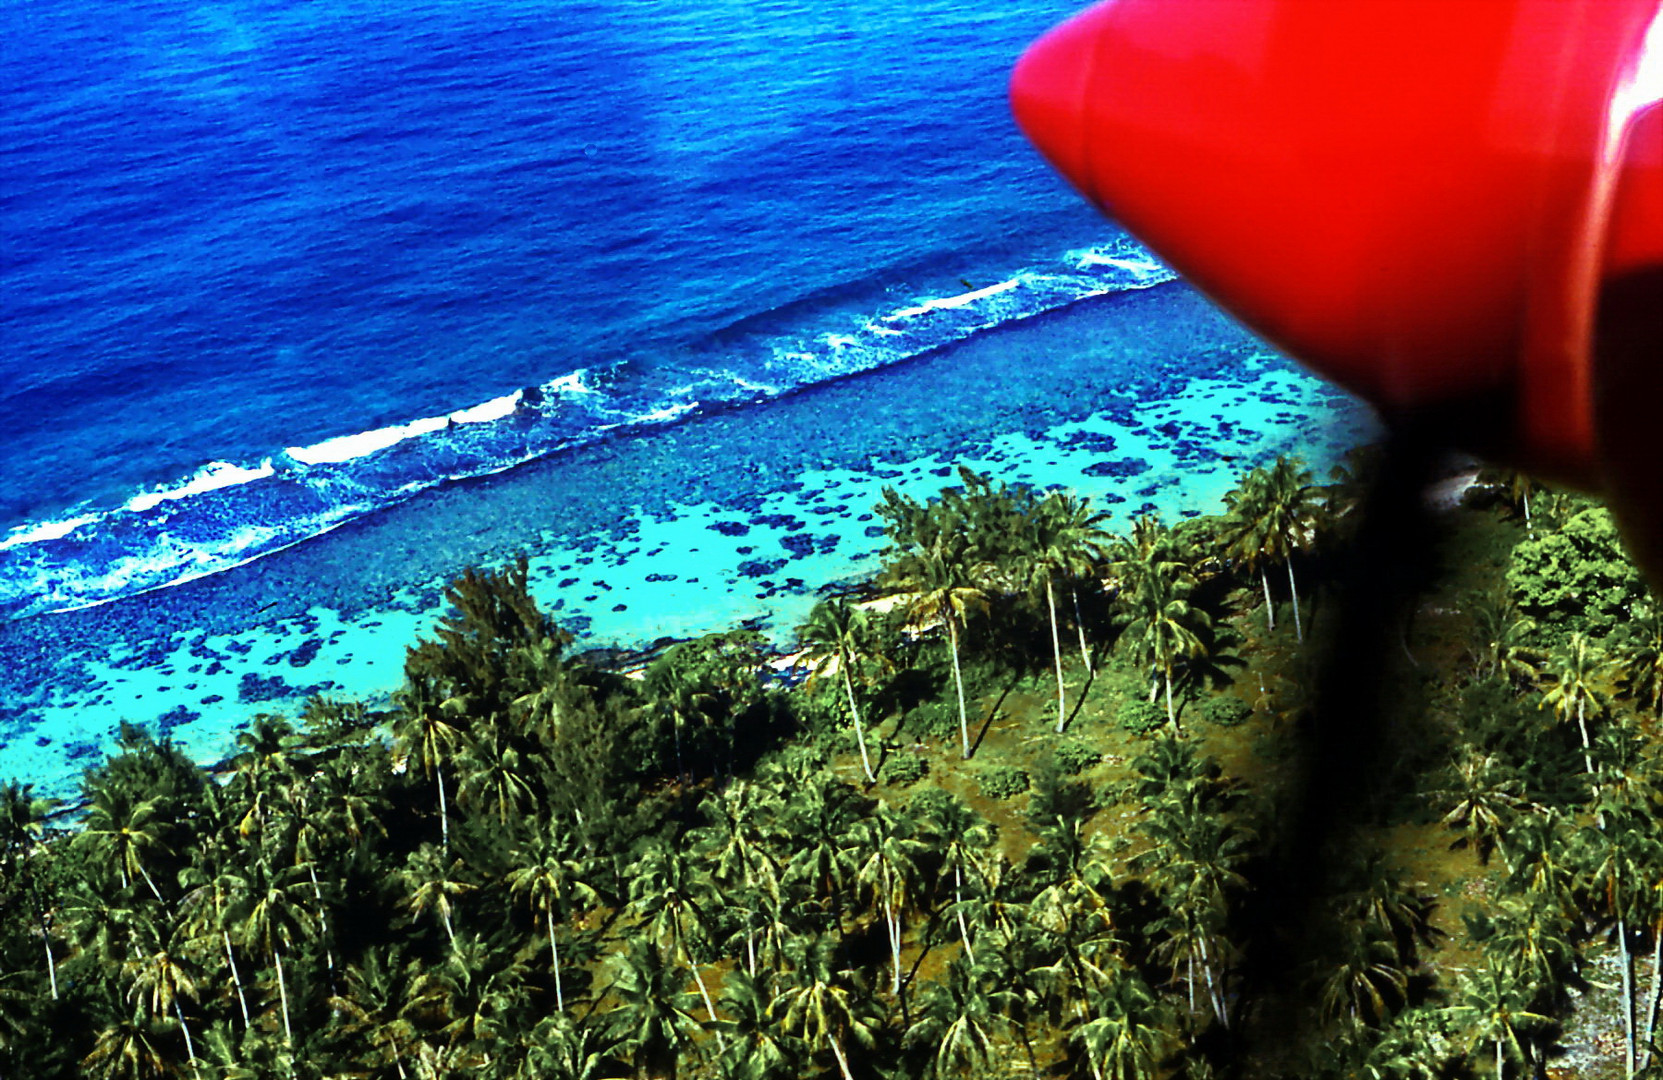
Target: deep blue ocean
[
  {"x": 266, "y": 267},
  {"x": 306, "y": 307}
]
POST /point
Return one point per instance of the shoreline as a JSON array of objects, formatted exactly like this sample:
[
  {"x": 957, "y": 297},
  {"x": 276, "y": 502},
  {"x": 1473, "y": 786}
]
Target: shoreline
[{"x": 733, "y": 517}]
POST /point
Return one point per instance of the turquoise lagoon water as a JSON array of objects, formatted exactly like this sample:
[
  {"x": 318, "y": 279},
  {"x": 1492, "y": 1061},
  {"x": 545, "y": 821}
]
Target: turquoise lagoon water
[{"x": 1145, "y": 401}]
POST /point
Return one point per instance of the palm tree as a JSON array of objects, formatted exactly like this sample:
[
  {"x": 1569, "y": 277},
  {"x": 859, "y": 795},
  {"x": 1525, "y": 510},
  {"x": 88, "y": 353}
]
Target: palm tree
[
  {"x": 821, "y": 1007},
  {"x": 546, "y": 880},
  {"x": 1581, "y": 675},
  {"x": 1063, "y": 539},
  {"x": 755, "y": 1049},
  {"x": 1641, "y": 657},
  {"x": 494, "y": 775},
  {"x": 1128, "y": 1033},
  {"x": 957, "y": 1022},
  {"x": 1616, "y": 855},
  {"x": 1276, "y": 510},
  {"x": 129, "y": 834},
  {"x": 160, "y": 984},
  {"x": 422, "y": 728},
  {"x": 888, "y": 855},
  {"x": 1493, "y": 1004},
  {"x": 213, "y": 908},
  {"x": 664, "y": 897},
  {"x": 1483, "y": 796},
  {"x": 372, "y": 1005},
  {"x": 23, "y": 817},
  {"x": 433, "y": 885},
  {"x": 1367, "y": 981},
  {"x": 1163, "y": 629},
  {"x": 275, "y": 920},
  {"x": 743, "y": 831},
  {"x": 649, "y": 1021},
  {"x": 127, "y": 1050},
  {"x": 937, "y": 584},
  {"x": 962, "y": 838},
  {"x": 838, "y": 637}
]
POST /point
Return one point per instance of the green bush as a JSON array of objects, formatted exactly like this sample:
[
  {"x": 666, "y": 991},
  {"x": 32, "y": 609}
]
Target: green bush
[
  {"x": 904, "y": 769},
  {"x": 1075, "y": 757},
  {"x": 1225, "y": 710},
  {"x": 1577, "y": 576},
  {"x": 1140, "y": 717},
  {"x": 934, "y": 720},
  {"x": 1002, "y": 781}
]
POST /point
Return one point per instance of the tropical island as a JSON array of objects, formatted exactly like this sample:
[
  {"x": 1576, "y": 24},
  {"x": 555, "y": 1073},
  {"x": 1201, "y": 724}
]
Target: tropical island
[{"x": 1019, "y": 806}]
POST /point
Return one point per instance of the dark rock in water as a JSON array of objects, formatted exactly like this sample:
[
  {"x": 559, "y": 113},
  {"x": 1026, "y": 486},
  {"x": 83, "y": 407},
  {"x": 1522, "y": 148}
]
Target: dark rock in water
[
  {"x": 784, "y": 522},
  {"x": 661, "y": 577},
  {"x": 729, "y": 528},
  {"x": 1121, "y": 467},
  {"x": 174, "y": 717},
  {"x": 307, "y": 652},
  {"x": 1189, "y": 513},
  {"x": 42, "y": 740},
  {"x": 620, "y": 607},
  {"x": 945, "y": 470},
  {"x": 215, "y": 699},
  {"x": 1147, "y": 508},
  {"x": 77, "y": 751},
  {"x": 827, "y": 543},
  {"x": 759, "y": 568},
  {"x": 254, "y": 689},
  {"x": 566, "y": 583},
  {"x": 874, "y": 531},
  {"x": 799, "y": 544},
  {"x": 1144, "y": 493},
  {"x": 746, "y": 550},
  {"x": 1094, "y": 442}
]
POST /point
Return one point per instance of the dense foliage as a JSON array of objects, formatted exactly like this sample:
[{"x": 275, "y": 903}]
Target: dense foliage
[{"x": 527, "y": 865}]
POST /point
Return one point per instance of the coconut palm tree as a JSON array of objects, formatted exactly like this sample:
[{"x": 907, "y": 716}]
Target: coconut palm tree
[
  {"x": 956, "y": 1023},
  {"x": 820, "y": 1005},
  {"x": 546, "y": 880},
  {"x": 1365, "y": 981},
  {"x": 276, "y": 920},
  {"x": 495, "y": 775},
  {"x": 424, "y": 727},
  {"x": 650, "y": 1022},
  {"x": 838, "y": 638},
  {"x": 1128, "y": 1032},
  {"x": 1275, "y": 513},
  {"x": 212, "y": 909},
  {"x": 126, "y": 833},
  {"x": 23, "y": 816},
  {"x": 159, "y": 982},
  {"x": 1483, "y": 795},
  {"x": 939, "y": 584},
  {"x": 1581, "y": 677},
  {"x": 665, "y": 897},
  {"x": 962, "y": 839},
  {"x": 433, "y": 885},
  {"x": 371, "y": 1006},
  {"x": 1615, "y": 857},
  {"x": 1163, "y": 630},
  {"x": 888, "y": 855},
  {"x": 1493, "y": 1005},
  {"x": 1063, "y": 539},
  {"x": 756, "y": 1049}
]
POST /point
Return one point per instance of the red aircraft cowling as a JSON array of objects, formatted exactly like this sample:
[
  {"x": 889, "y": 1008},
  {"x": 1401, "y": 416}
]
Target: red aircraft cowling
[{"x": 1432, "y": 202}]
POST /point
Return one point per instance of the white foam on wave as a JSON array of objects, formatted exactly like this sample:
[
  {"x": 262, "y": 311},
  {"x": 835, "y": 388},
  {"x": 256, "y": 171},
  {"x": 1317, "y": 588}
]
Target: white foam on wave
[
  {"x": 570, "y": 383},
  {"x": 1128, "y": 256},
  {"x": 211, "y": 477},
  {"x": 485, "y": 412},
  {"x": 347, "y": 447},
  {"x": 46, "y": 530},
  {"x": 947, "y": 302}
]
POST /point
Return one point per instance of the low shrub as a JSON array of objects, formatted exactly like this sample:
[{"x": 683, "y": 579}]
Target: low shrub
[
  {"x": 1225, "y": 710},
  {"x": 903, "y": 769},
  {"x": 1075, "y": 757},
  {"x": 1002, "y": 781},
  {"x": 1140, "y": 717}
]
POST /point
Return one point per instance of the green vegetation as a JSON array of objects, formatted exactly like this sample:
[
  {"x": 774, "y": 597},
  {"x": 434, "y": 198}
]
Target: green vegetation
[{"x": 955, "y": 848}]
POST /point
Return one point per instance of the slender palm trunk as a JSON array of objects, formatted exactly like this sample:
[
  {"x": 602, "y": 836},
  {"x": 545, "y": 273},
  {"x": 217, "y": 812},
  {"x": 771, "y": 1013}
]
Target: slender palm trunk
[
  {"x": 1652, "y": 998},
  {"x": 1080, "y": 626},
  {"x": 958, "y": 681},
  {"x": 1171, "y": 715},
  {"x": 958, "y": 914},
  {"x": 1628, "y": 996},
  {"x": 1212, "y": 990},
  {"x": 283, "y": 998},
  {"x": 1056, "y": 652},
  {"x": 236, "y": 976},
  {"x": 1587, "y": 748},
  {"x": 1499, "y": 1061},
  {"x": 854, "y": 711},
  {"x": 1270, "y": 609},
  {"x": 1293, "y": 590},
  {"x": 554, "y": 963},
  {"x": 190, "y": 1047},
  {"x": 323, "y": 923},
  {"x": 444, "y": 809},
  {"x": 842, "y": 1062},
  {"x": 157, "y": 893},
  {"x": 704, "y": 993},
  {"x": 51, "y": 964},
  {"x": 892, "y": 923}
]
